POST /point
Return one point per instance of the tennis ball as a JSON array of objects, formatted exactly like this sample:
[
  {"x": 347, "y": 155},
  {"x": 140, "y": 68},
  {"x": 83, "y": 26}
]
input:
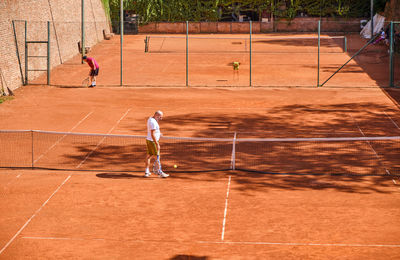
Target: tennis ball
[{"x": 175, "y": 166}]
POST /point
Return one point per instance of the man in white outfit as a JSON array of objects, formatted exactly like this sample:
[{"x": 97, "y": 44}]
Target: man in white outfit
[{"x": 152, "y": 141}]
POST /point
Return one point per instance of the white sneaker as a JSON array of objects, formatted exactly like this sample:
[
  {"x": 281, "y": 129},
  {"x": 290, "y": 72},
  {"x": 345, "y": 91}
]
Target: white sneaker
[
  {"x": 147, "y": 174},
  {"x": 162, "y": 174}
]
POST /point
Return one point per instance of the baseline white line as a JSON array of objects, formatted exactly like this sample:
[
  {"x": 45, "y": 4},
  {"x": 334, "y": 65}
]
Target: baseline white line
[
  {"x": 226, "y": 209},
  {"x": 63, "y": 238},
  {"x": 59, "y": 140},
  {"x": 217, "y": 242},
  {"x": 34, "y": 215},
  {"x": 294, "y": 244},
  {"x": 102, "y": 140},
  {"x": 392, "y": 120}
]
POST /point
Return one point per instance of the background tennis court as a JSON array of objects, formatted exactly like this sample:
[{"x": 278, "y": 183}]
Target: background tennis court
[
  {"x": 280, "y": 59},
  {"x": 206, "y": 214}
]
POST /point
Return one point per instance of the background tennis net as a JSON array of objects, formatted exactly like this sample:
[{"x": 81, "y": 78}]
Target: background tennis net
[
  {"x": 77, "y": 151},
  {"x": 204, "y": 44}
]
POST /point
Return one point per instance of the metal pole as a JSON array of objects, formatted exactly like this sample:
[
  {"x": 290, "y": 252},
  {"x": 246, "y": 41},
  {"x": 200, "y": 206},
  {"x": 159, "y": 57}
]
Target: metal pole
[
  {"x": 83, "y": 28},
  {"x": 391, "y": 54},
  {"x": 187, "y": 53},
  {"x": 121, "y": 31},
  {"x": 26, "y": 56},
  {"x": 48, "y": 53},
  {"x": 16, "y": 48},
  {"x": 372, "y": 18},
  {"x": 32, "y": 151},
  {"x": 250, "y": 48},
  {"x": 319, "y": 46}
]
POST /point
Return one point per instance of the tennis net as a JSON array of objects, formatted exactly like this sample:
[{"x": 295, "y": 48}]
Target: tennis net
[
  {"x": 97, "y": 152},
  {"x": 206, "y": 44}
]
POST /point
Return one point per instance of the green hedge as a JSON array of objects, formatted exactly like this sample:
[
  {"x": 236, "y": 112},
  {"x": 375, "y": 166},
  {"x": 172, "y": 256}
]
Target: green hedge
[{"x": 215, "y": 10}]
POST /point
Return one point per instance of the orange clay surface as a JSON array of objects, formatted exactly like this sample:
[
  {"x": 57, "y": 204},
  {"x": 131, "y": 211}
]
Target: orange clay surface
[
  {"x": 203, "y": 215},
  {"x": 275, "y": 62}
]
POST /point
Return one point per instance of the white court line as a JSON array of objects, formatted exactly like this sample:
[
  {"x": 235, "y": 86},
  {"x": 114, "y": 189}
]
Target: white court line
[
  {"x": 11, "y": 181},
  {"x": 295, "y": 244},
  {"x": 220, "y": 242},
  {"x": 34, "y": 215},
  {"x": 392, "y": 120},
  {"x": 226, "y": 209},
  {"x": 376, "y": 154},
  {"x": 361, "y": 131},
  {"x": 63, "y": 238},
  {"x": 59, "y": 140},
  {"x": 101, "y": 141}
]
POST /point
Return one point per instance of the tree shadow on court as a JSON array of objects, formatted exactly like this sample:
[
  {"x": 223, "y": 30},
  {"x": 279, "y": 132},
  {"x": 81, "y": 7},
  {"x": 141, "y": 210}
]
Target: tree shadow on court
[
  {"x": 300, "y": 45},
  {"x": 264, "y": 165},
  {"x": 374, "y": 60}
]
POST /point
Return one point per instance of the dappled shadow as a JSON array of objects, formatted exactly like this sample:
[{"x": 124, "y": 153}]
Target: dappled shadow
[
  {"x": 394, "y": 94},
  {"x": 341, "y": 183},
  {"x": 298, "y": 44},
  {"x": 288, "y": 121},
  {"x": 374, "y": 60}
]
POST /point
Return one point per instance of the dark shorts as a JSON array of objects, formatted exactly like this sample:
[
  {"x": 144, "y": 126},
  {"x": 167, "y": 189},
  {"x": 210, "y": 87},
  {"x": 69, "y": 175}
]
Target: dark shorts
[
  {"x": 94, "y": 72},
  {"x": 152, "y": 148}
]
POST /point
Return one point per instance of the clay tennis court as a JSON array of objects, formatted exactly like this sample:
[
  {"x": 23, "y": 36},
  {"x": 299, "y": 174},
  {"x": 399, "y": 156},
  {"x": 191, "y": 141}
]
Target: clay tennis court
[
  {"x": 209, "y": 214},
  {"x": 277, "y": 60}
]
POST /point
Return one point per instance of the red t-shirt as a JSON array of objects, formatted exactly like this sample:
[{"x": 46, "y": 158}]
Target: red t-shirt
[{"x": 92, "y": 61}]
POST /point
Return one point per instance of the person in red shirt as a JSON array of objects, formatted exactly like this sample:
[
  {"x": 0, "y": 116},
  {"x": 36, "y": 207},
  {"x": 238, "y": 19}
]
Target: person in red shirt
[{"x": 94, "y": 69}]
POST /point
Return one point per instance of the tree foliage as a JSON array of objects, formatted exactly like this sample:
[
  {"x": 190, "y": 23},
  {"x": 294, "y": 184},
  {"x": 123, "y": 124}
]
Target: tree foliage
[{"x": 214, "y": 10}]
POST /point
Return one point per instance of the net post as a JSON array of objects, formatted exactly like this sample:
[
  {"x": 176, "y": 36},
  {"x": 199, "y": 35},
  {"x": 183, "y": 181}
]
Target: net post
[
  {"x": 26, "y": 55},
  {"x": 32, "y": 150},
  {"x": 233, "y": 157},
  {"x": 319, "y": 54},
  {"x": 121, "y": 33},
  {"x": 345, "y": 43},
  {"x": 82, "y": 29},
  {"x": 391, "y": 54},
  {"x": 251, "y": 31},
  {"x": 187, "y": 53},
  {"x": 48, "y": 53}
]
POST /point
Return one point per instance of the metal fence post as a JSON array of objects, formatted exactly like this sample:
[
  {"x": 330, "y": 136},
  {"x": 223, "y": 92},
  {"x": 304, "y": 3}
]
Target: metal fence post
[
  {"x": 26, "y": 55},
  {"x": 32, "y": 151},
  {"x": 319, "y": 54},
  {"x": 187, "y": 53},
  {"x": 83, "y": 28},
  {"x": 250, "y": 50},
  {"x": 121, "y": 7},
  {"x": 48, "y": 53},
  {"x": 391, "y": 54}
]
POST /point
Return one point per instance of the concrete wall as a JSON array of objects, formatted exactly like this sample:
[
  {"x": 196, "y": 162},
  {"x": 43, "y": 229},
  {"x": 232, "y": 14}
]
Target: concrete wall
[
  {"x": 65, "y": 33},
  {"x": 304, "y": 24}
]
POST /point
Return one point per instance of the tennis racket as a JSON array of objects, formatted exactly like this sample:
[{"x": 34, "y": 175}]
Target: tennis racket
[
  {"x": 157, "y": 165},
  {"x": 85, "y": 82}
]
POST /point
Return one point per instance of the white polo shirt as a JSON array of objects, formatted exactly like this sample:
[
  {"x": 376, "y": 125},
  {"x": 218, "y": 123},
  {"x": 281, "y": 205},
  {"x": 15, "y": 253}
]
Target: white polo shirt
[{"x": 152, "y": 124}]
